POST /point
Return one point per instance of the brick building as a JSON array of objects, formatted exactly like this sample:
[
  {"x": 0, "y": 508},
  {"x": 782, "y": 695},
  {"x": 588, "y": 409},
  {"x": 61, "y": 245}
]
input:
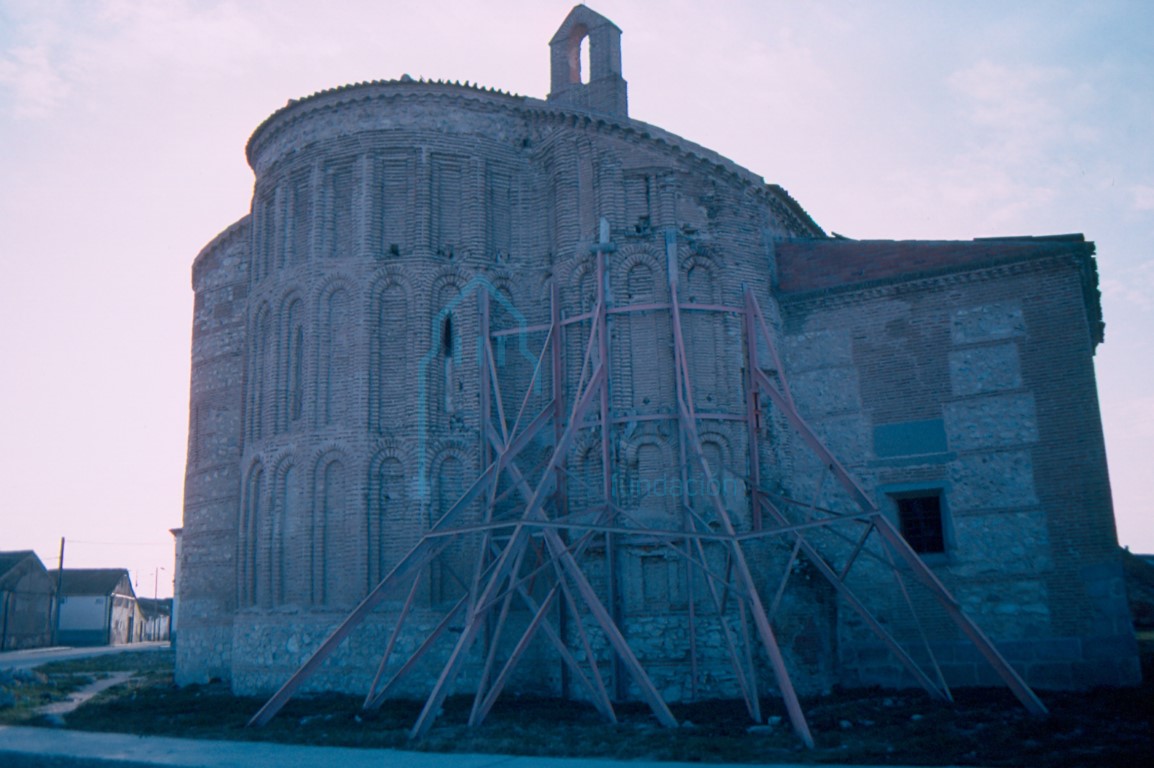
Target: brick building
[
  {"x": 27, "y": 601},
  {"x": 97, "y": 607},
  {"x": 410, "y": 246}
]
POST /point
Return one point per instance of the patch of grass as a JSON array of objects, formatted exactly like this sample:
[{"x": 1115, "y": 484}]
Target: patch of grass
[
  {"x": 28, "y": 690},
  {"x": 55, "y": 681},
  {"x": 981, "y": 727},
  {"x": 126, "y": 661}
]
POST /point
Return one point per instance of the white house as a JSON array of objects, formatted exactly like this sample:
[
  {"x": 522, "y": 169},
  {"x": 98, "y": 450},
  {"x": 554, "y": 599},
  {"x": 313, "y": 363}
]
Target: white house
[{"x": 98, "y": 607}]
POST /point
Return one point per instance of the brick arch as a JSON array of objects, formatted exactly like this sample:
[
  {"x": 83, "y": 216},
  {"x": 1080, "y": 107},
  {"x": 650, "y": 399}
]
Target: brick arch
[
  {"x": 708, "y": 353},
  {"x": 444, "y": 289},
  {"x": 628, "y": 264},
  {"x": 299, "y": 213},
  {"x": 253, "y": 518},
  {"x": 390, "y": 446},
  {"x": 442, "y": 450},
  {"x": 650, "y": 472},
  {"x": 514, "y": 355},
  {"x": 382, "y": 279},
  {"x": 259, "y": 356},
  {"x": 707, "y": 289},
  {"x": 289, "y": 297},
  {"x": 578, "y": 295},
  {"x": 721, "y": 441},
  {"x": 335, "y": 333},
  {"x": 726, "y": 483},
  {"x": 333, "y": 282},
  {"x": 339, "y": 179},
  {"x": 452, "y": 471},
  {"x": 496, "y": 273},
  {"x": 579, "y": 285},
  {"x": 338, "y": 567},
  {"x": 291, "y": 356},
  {"x": 578, "y": 40},
  {"x": 646, "y": 436},
  {"x": 287, "y": 545},
  {"x": 505, "y": 283},
  {"x": 447, "y": 277},
  {"x": 390, "y": 311},
  {"x": 641, "y": 283},
  {"x": 393, "y": 517},
  {"x": 266, "y": 237},
  {"x": 584, "y": 471},
  {"x": 718, "y": 452},
  {"x": 631, "y": 253},
  {"x": 643, "y": 356},
  {"x": 543, "y": 289},
  {"x": 451, "y": 323}
]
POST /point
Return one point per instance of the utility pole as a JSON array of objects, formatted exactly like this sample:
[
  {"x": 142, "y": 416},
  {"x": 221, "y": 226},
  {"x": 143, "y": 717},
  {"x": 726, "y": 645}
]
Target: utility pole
[
  {"x": 59, "y": 595},
  {"x": 4, "y": 631}
]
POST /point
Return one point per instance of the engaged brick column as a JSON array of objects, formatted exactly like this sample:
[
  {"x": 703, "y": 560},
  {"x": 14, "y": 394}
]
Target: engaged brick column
[{"x": 206, "y": 589}]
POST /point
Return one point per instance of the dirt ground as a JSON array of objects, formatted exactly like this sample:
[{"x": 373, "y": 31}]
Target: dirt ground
[{"x": 988, "y": 727}]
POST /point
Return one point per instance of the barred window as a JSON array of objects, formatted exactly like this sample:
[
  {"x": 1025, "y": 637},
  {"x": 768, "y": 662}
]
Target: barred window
[{"x": 921, "y": 523}]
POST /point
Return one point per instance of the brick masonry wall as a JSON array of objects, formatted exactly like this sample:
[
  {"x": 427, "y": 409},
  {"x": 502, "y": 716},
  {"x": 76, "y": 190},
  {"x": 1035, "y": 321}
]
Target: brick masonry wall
[
  {"x": 207, "y": 586},
  {"x": 988, "y": 377},
  {"x": 378, "y": 220}
]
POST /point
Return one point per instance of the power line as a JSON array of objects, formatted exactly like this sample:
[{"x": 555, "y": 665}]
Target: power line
[{"x": 122, "y": 543}]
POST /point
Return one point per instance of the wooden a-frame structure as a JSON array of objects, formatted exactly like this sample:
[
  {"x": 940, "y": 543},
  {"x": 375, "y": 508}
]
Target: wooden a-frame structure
[{"x": 533, "y": 550}]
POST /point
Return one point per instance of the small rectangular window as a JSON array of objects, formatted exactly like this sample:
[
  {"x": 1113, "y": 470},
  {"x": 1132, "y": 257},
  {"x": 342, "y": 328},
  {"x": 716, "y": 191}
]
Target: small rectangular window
[{"x": 921, "y": 523}]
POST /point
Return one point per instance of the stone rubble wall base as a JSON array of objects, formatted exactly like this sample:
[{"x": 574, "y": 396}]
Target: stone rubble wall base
[{"x": 1057, "y": 663}]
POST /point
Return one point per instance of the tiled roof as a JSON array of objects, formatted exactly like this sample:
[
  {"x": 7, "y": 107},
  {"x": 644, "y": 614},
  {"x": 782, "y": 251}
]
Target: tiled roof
[
  {"x": 92, "y": 581},
  {"x": 819, "y": 264},
  {"x": 9, "y": 560},
  {"x": 151, "y": 607}
]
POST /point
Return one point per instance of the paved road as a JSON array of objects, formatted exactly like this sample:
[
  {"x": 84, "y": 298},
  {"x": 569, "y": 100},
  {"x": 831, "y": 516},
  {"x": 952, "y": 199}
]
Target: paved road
[
  {"x": 34, "y": 657},
  {"x": 73, "y": 749}
]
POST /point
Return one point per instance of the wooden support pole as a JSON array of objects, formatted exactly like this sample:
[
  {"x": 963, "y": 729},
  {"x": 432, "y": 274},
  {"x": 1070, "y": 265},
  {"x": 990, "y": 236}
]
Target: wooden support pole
[
  {"x": 557, "y": 381},
  {"x": 860, "y": 608},
  {"x": 430, "y": 639},
  {"x": 885, "y": 528},
  {"x": 509, "y": 560},
  {"x": 612, "y": 632},
  {"x": 744, "y": 671},
  {"x": 922, "y": 572},
  {"x": 393, "y": 637},
  {"x": 481, "y": 708},
  {"x": 612, "y": 569},
  {"x": 752, "y": 412},
  {"x": 417, "y": 558},
  {"x": 745, "y": 576}
]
